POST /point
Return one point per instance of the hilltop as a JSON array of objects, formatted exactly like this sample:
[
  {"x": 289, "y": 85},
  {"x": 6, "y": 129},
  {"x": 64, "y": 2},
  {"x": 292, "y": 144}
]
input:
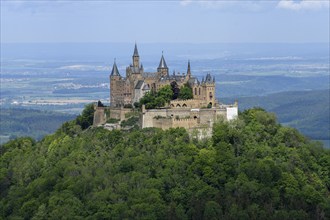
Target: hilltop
[{"x": 251, "y": 168}]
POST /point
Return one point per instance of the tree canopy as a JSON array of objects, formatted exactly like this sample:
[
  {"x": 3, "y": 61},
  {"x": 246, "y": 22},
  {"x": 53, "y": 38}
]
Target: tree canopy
[
  {"x": 157, "y": 99},
  {"x": 164, "y": 95},
  {"x": 251, "y": 168},
  {"x": 185, "y": 92}
]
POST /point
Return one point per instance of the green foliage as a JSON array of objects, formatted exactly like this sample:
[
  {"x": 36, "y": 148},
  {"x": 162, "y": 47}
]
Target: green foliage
[
  {"x": 251, "y": 168},
  {"x": 185, "y": 92},
  {"x": 86, "y": 118},
  {"x": 159, "y": 99},
  {"x": 130, "y": 122},
  {"x": 113, "y": 120}
]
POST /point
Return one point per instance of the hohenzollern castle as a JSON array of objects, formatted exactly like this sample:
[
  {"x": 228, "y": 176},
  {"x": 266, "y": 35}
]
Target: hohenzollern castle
[{"x": 200, "y": 112}]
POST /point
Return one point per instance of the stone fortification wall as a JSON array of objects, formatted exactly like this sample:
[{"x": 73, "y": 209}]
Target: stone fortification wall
[
  {"x": 163, "y": 123},
  {"x": 148, "y": 116},
  {"x": 99, "y": 116},
  {"x": 119, "y": 113},
  {"x": 186, "y": 117},
  {"x": 185, "y": 123}
]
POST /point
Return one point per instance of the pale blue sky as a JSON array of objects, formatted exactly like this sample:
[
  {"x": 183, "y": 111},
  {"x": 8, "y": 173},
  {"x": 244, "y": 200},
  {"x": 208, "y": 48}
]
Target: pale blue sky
[{"x": 165, "y": 21}]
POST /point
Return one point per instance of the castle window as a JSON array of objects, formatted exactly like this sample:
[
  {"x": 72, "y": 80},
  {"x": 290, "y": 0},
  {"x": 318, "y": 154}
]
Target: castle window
[
  {"x": 211, "y": 96},
  {"x": 195, "y": 91},
  {"x": 199, "y": 91}
]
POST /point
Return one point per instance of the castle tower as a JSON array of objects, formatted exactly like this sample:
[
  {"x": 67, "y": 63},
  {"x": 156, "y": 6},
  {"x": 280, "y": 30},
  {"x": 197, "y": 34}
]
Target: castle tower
[
  {"x": 162, "y": 68},
  {"x": 115, "y": 86},
  {"x": 136, "y": 58},
  {"x": 209, "y": 89}
]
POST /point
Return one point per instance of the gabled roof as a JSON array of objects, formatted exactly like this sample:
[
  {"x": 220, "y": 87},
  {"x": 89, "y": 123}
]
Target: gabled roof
[
  {"x": 162, "y": 63},
  {"x": 146, "y": 87},
  {"x": 115, "y": 71}
]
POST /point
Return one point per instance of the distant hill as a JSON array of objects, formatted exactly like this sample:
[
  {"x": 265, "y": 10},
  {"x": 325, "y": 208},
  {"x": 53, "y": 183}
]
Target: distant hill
[
  {"x": 29, "y": 122},
  {"x": 308, "y": 111}
]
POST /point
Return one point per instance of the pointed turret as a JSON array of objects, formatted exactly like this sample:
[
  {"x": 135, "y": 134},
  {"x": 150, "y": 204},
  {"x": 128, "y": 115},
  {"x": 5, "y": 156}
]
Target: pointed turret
[
  {"x": 188, "y": 69},
  {"x": 136, "y": 57},
  {"x": 114, "y": 71},
  {"x": 162, "y": 63},
  {"x": 162, "y": 68}
]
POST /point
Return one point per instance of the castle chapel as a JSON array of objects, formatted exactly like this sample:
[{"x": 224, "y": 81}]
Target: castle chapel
[{"x": 128, "y": 90}]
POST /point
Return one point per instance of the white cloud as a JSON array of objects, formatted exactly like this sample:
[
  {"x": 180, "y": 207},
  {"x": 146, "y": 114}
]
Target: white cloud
[
  {"x": 185, "y": 2},
  {"x": 303, "y": 4},
  {"x": 247, "y": 5}
]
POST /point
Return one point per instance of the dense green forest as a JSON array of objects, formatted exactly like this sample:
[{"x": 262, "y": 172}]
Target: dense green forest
[
  {"x": 251, "y": 168},
  {"x": 308, "y": 111},
  {"x": 17, "y": 122}
]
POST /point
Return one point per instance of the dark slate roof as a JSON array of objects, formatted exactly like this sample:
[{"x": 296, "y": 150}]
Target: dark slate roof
[
  {"x": 149, "y": 75},
  {"x": 208, "y": 78},
  {"x": 139, "y": 84},
  {"x": 115, "y": 71},
  {"x": 193, "y": 80},
  {"x": 162, "y": 63},
  {"x": 136, "y": 53}
]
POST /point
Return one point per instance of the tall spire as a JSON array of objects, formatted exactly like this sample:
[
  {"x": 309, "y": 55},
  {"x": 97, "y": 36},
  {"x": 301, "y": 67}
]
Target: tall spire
[
  {"x": 136, "y": 53},
  {"x": 136, "y": 57},
  {"x": 114, "y": 71},
  {"x": 188, "y": 70},
  {"x": 162, "y": 63}
]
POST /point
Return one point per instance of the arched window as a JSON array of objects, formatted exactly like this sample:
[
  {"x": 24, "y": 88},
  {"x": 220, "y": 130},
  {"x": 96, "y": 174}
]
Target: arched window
[
  {"x": 211, "y": 96},
  {"x": 195, "y": 91},
  {"x": 199, "y": 91}
]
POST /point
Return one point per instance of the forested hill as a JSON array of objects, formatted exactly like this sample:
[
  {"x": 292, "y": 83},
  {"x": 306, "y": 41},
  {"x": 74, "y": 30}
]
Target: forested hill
[{"x": 252, "y": 168}]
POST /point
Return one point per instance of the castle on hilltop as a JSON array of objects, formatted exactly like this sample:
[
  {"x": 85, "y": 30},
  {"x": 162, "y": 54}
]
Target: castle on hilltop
[
  {"x": 127, "y": 90},
  {"x": 197, "y": 113}
]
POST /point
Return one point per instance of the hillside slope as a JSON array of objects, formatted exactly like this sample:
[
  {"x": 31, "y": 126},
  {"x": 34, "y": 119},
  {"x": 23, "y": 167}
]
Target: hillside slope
[
  {"x": 17, "y": 122},
  {"x": 308, "y": 111},
  {"x": 252, "y": 168}
]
